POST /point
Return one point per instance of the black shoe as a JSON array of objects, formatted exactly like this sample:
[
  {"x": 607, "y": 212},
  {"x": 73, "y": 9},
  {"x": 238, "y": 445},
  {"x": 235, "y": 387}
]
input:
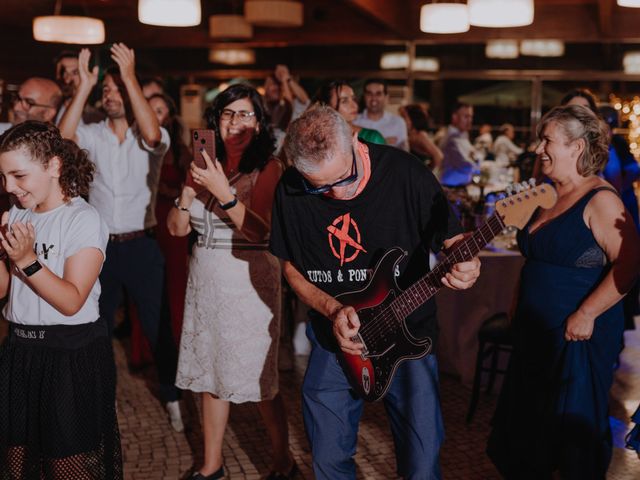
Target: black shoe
[
  {"x": 214, "y": 476},
  {"x": 293, "y": 471}
]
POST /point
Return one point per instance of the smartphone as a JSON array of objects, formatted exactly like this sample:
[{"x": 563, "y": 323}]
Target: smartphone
[{"x": 202, "y": 139}]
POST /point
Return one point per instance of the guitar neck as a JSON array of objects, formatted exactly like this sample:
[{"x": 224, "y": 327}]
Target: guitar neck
[{"x": 425, "y": 288}]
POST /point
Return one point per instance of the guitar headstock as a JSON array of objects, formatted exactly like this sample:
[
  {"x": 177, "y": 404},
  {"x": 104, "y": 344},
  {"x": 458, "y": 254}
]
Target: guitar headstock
[{"x": 523, "y": 198}]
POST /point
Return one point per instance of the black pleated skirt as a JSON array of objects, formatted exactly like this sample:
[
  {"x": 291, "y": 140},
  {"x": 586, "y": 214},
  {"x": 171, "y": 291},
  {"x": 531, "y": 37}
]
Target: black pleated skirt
[{"x": 57, "y": 404}]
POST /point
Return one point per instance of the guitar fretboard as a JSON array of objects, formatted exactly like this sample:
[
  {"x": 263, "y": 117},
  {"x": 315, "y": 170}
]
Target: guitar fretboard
[{"x": 428, "y": 286}]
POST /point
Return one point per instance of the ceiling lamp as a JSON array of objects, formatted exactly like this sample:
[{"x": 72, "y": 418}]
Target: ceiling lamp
[
  {"x": 232, "y": 56},
  {"x": 273, "y": 13},
  {"x": 394, "y": 60},
  {"x": 631, "y": 62},
  {"x": 502, "y": 49},
  {"x": 500, "y": 13},
  {"x": 68, "y": 29},
  {"x": 426, "y": 64},
  {"x": 169, "y": 13},
  {"x": 629, "y": 3},
  {"x": 229, "y": 26},
  {"x": 542, "y": 48},
  {"x": 444, "y": 18},
  {"x": 400, "y": 60}
]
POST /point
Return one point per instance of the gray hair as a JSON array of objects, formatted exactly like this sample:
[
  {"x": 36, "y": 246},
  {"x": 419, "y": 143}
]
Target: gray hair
[
  {"x": 316, "y": 137},
  {"x": 579, "y": 122}
]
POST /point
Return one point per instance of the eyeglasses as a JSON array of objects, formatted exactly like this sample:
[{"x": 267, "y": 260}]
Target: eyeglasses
[
  {"x": 340, "y": 183},
  {"x": 28, "y": 103},
  {"x": 244, "y": 116}
]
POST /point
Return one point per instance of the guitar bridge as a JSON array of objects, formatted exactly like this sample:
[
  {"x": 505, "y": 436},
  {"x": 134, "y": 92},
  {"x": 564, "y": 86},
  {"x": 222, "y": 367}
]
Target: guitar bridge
[{"x": 365, "y": 350}]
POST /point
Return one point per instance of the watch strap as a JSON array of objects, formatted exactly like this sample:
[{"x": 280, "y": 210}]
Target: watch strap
[
  {"x": 228, "y": 205},
  {"x": 32, "y": 268}
]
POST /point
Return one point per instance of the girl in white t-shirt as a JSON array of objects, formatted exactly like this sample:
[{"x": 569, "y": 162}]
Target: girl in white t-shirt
[{"x": 57, "y": 373}]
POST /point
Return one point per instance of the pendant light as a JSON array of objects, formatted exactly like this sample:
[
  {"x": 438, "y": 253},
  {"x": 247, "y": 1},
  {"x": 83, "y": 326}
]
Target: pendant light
[
  {"x": 68, "y": 29},
  {"x": 445, "y": 17},
  {"x": 169, "y": 13},
  {"x": 500, "y": 13}
]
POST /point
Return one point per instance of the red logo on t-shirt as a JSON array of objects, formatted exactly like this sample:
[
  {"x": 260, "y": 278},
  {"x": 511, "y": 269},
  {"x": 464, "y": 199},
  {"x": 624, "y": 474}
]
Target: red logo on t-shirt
[{"x": 339, "y": 230}]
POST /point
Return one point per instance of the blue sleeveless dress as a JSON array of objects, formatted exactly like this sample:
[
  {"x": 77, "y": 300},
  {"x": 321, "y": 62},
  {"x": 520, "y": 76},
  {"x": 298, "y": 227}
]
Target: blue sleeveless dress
[{"x": 553, "y": 409}]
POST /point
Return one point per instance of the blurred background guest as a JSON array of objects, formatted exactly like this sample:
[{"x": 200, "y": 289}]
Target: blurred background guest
[
  {"x": 376, "y": 117},
  {"x": 484, "y": 141},
  {"x": 460, "y": 158},
  {"x": 68, "y": 78},
  {"x": 420, "y": 142},
  {"x": 172, "y": 176},
  {"x": 338, "y": 94}
]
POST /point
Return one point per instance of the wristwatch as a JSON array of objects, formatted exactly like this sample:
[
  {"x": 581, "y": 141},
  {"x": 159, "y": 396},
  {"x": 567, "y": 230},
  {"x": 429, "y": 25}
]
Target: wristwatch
[
  {"x": 228, "y": 205},
  {"x": 32, "y": 268}
]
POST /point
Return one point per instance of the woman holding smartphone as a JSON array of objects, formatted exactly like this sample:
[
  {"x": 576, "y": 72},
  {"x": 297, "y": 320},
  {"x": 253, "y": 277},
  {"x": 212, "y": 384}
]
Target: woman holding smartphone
[{"x": 229, "y": 344}]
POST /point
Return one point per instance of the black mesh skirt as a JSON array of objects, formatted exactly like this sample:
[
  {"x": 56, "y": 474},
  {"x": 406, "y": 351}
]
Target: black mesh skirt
[{"x": 57, "y": 404}]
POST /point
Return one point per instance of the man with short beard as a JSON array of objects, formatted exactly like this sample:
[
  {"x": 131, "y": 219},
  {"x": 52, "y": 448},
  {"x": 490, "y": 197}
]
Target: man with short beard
[
  {"x": 392, "y": 127},
  {"x": 37, "y": 99},
  {"x": 128, "y": 148},
  {"x": 68, "y": 78}
]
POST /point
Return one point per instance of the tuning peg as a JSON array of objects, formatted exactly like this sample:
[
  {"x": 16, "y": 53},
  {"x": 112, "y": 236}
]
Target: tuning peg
[
  {"x": 509, "y": 190},
  {"x": 532, "y": 182},
  {"x": 525, "y": 185},
  {"x": 518, "y": 187}
]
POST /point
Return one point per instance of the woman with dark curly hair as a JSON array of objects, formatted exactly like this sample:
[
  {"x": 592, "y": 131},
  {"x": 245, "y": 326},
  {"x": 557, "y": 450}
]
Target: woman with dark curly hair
[
  {"x": 582, "y": 257},
  {"x": 229, "y": 344},
  {"x": 57, "y": 373}
]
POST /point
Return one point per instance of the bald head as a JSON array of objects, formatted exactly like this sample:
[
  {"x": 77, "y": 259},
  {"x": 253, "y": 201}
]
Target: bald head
[{"x": 39, "y": 99}]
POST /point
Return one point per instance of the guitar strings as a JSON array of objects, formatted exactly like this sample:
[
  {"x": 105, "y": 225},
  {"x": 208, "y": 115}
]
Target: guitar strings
[{"x": 380, "y": 323}]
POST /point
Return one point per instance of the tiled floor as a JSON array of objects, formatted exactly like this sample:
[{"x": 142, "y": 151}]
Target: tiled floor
[{"x": 153, "y": 451}]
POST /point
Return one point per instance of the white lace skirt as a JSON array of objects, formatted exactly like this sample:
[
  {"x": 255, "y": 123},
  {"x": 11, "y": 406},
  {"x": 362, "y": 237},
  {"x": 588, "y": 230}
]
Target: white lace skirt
[{"x": 231, "y": 326}]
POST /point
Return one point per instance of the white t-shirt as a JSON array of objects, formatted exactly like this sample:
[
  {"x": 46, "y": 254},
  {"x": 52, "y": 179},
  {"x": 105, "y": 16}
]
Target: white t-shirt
[
  {"x": 60, "y": 234},
  {"x": 127, "y": 174},
  {"x": 390, "y": 125}
]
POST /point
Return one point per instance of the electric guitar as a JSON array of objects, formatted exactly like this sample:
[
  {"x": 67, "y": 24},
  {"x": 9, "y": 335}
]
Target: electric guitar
[{"x": 382, "y": 306}]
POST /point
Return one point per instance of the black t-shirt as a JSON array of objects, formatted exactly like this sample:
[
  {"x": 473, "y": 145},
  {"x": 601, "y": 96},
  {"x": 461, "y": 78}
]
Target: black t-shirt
[{"x": 402, "y": 205}]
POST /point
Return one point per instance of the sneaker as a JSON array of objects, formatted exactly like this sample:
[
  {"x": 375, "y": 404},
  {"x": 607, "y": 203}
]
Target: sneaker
[{"x": 175, "y": 417}]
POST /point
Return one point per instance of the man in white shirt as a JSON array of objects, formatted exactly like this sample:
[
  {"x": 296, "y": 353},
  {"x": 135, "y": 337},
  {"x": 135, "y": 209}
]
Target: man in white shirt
[
  {"x": 127, "y": 149},
  {"x": 460, "y": 158},
  {"x": 68, "y": 78},
  {"x": 392, "y": 127}
]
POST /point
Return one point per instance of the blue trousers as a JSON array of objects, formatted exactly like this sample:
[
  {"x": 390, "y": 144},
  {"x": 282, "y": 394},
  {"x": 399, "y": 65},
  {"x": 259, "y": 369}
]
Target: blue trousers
[
  {"x": 138, "y": 266},
  {"x": 332, "y": 414}
]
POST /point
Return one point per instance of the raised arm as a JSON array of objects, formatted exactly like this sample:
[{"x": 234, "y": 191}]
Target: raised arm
[
  {"x": 145, "y": 118},
  {"x": 614, "y": 230},
  {"x": 178, "y": 220},
  {"x": 88, "y": 79},
  {"x": 290, "y": 88}
]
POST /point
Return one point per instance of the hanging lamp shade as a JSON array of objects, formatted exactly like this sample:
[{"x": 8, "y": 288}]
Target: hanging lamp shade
[
  {"x": 629, "y": 3},
  {"x": 500, "y": 13},
  {"x": 170, "y": 13},
  {"x": 444, "y": 18},
  {"x": 504, "y": 49},
  {"x": 229, "y": 26},
  {"x": 542, "y": 48},
  {"x": 232, "y": 56},
  {"x": 426, "y": 64},
  {"x": 68, "y": 29},
  {"x": 274, "y": 13}
]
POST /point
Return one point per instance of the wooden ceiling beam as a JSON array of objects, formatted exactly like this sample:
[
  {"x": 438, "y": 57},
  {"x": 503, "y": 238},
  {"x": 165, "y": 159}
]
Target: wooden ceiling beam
[
  {"x": 605, "y": 12},
  {"x": 393, "y": 15}
]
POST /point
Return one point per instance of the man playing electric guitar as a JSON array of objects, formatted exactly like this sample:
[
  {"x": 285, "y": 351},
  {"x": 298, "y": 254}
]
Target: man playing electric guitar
[{"x": 335, "y": 214}]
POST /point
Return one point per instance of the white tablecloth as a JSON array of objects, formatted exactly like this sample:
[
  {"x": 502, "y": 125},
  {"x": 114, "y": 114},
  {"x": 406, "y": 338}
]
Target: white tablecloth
[{"x": 461, "y": 313}]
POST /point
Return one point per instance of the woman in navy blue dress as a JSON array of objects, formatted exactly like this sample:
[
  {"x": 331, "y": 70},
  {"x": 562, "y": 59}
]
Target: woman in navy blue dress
[{"x": 582, "y": 256}]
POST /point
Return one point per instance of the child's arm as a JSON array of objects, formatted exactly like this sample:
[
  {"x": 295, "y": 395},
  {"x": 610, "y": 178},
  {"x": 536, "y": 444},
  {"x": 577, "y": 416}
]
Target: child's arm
[
  {"x": 5, "y": 279},
  {"x": 67, "y": 294}
]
